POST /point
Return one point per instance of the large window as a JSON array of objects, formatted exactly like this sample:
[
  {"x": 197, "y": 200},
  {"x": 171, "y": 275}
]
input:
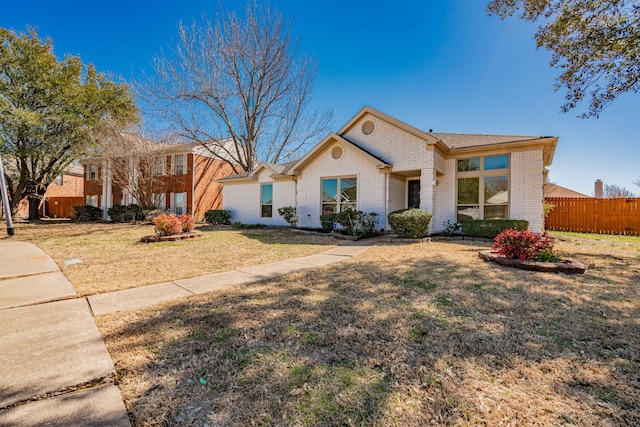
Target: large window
[
  {"x": 266, "y": 200},
  {"x": 179, "y": 164},
  {"x": 338, "y": 194},
  {"x": 483, "y": 188}
]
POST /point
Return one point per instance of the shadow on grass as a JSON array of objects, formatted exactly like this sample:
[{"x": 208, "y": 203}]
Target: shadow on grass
[{"x": 364, "y": 343}]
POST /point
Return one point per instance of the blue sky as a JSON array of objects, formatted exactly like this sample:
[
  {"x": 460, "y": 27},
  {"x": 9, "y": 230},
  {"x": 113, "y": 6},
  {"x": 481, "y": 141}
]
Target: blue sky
[{"x": 441, "y": 65}]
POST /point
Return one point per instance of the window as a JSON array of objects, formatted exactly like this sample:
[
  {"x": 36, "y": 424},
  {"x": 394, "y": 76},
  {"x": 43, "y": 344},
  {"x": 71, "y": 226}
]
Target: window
[
  {"x": 338, "y": 194},
  {"x": 58, "y": 180},
  {"x": 92, "y": 200},
  {"x": 92, "y": 172},
  {"x": 179, "y": 203},
  {"x": 159, "y": 166},
  {"x": 179, "y": 164},
  {"x": 127, "y": 199},
  {"x": 266, "y": 200},
  {"x": 483, "y": 188},
  {"x": 159, "y": 200}
]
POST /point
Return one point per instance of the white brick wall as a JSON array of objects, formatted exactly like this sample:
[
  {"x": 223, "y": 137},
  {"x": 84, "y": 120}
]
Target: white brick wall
[
  {"x": 370, "y": 182},
  {"x": 243, "y": 199},
  {"x": 527, "y": 169},
  {"x": 445, "y": 196}
]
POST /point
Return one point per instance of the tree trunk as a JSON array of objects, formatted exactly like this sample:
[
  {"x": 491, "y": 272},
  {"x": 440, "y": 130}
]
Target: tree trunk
[{"x": 34, "y": 205}]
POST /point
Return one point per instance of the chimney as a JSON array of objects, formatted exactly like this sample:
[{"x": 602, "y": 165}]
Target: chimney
[{"x": 599, "y": 191}]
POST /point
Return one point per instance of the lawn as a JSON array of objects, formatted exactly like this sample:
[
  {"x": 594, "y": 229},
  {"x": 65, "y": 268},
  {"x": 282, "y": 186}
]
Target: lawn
[
  {"x": 113, "y": 258},
  {"x": 401, "y": 335}
]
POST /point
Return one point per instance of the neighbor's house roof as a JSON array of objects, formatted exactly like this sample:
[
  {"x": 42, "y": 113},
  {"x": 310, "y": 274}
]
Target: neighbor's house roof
[{"x": 555, "y": 190}]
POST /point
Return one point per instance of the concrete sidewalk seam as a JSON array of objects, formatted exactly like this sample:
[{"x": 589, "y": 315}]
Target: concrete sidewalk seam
[
  {"x": 182, "y": 287},
  {"x": 21, "y": 276},
  {"x": 67, "y": 390}
]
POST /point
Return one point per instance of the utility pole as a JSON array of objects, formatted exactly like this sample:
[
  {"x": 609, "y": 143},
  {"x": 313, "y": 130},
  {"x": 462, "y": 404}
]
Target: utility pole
[{"x": 5, "y": 201}]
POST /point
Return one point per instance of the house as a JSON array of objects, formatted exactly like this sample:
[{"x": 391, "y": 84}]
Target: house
[
  {"x": 65, "y": 191},
  {"x": 555, "y": 190},
  {"x": 376, "y": 163},
  {"x": 178, "y": 177}
]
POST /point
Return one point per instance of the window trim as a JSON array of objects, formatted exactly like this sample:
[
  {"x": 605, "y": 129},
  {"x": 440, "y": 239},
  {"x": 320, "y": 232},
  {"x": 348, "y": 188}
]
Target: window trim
[
  {"x": 92, "y": 172},
  {"x": 339, "y": 202},
  {"x": 162, "y": 162},
  {"x": 174, "y": 163},
  {"x": 174, "y": 204},
  {"x": 481, "y": 174},
  {"x": 262, "y": 205},
  {"x": 89, "y": 198}
]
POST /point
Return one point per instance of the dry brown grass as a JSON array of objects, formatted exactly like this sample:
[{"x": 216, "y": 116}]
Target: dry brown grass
[
  {"x": 113, "y": 258},
  {"x": 402, "y": 335}
]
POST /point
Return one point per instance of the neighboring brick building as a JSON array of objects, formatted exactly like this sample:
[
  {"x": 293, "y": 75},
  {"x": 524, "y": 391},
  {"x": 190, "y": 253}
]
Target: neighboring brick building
[
  {"x": 68, "y": 185},
  {"x": 376, "y": 163},
  {"x": 185, "y": 175}
]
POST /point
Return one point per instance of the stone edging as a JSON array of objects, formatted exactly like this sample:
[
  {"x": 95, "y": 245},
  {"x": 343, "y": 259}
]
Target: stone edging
[
  {"x": 181, "y": 236},
  {"x": 568, "y": 267}
]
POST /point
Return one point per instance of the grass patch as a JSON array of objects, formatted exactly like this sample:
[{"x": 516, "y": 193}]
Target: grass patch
[
  {"x": 114, "y": 259},
  {"x": 366, "y": 342}
]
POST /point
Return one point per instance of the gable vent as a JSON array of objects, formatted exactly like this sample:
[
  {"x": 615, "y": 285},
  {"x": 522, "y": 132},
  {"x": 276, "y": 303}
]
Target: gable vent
[{"x": 368, "y": 127}]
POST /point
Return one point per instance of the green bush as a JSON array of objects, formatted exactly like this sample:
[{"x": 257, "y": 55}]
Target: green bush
[
  {"x": 240, "y": 226},
  {"x": 410, "y": 223},
  {"x": 121, "y": 213},
  {"x": 358, "y": 223},
  {"x": 218, "y": 217},
  {"x": 288, "y": 213},
  {"x": 326, "y": 221},
  {"x": 87, "y": 213},
  {"x": 490, "y": 228}
]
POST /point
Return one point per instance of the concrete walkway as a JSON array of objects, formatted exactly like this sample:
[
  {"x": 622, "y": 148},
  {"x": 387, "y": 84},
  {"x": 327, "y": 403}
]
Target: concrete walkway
[{"x": 54, "y": 366}]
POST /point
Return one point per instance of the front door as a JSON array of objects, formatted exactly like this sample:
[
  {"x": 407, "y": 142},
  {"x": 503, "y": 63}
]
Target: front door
[{"x": 413, "y": 201}]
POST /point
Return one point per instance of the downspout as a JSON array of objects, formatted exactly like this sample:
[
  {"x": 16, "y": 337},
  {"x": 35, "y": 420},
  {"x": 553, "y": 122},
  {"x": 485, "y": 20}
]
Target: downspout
[
  {"x": 193, "y": 183},
  {"x": 387, "y": 179}
]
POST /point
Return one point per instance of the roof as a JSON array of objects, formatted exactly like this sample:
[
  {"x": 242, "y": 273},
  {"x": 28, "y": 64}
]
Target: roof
[
  {"x": 448, "y": 143},
  {"x": 555, "y": 190}
]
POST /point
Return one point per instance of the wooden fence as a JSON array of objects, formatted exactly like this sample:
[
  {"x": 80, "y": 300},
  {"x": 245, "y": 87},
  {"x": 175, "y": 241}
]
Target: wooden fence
[
  {"x": 61, "y": 207},
  {"x": 590, "y": 215}
]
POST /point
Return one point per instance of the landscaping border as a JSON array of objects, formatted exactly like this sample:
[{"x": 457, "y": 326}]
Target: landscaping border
[
  {"x": 182, "y": 236},
  {"x": 567, "y": 267}
]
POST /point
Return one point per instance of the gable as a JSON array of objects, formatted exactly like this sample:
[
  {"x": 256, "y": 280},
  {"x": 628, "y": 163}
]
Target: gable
[{"x": 329, "y": 148}]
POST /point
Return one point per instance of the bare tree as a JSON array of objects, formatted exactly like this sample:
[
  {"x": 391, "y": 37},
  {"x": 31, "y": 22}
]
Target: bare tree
[
  {"x": 136, "y": 165},
  {"x": 612, "y": 191},
  {"x": 239, "y": 87}
]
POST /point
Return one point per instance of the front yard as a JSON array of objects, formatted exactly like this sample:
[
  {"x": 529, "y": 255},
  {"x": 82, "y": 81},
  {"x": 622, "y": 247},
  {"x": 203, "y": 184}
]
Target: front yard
[
  {"x": 409, "y": 335},
  {"x": 113, "y": 258}
]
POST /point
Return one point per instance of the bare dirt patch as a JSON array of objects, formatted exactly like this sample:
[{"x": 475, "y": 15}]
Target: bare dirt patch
[
  {"x": 113, "y": 258},
  {"x": 409, "y": 335}
]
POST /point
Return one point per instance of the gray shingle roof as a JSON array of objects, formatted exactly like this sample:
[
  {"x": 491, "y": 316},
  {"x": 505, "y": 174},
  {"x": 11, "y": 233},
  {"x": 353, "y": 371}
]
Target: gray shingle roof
[{"x": 457, "y": 140}]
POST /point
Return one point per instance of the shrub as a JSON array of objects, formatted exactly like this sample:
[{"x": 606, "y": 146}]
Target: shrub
[
  {"x": 121, "y": 213},
  {"x": 188, "y": 222},
  {"x": 358, "y": 223},
  {"x": 288, "y": 213},
  {"x": 167, "y": 225},
  {"x": 326, "y": 221},
  {"x": 218, "y": 217},
  {"x": 450, "y": 228},
  {"x": 410, "y": 223},
  {"x": 522, "y": 244},
  {"x": 240, "y": 226},
  {"x": 490, "y": 228},
  {"x": 547, "y": 255},
  {"x": 87, "y": 213}
]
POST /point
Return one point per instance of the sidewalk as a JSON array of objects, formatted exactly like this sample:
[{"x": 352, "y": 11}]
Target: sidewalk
[{"x": 54, "y": 366}]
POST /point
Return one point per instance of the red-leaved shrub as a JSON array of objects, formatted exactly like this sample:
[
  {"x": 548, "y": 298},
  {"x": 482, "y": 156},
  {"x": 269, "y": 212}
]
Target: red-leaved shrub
[
  {"x": 167, "y": 225},
  {"x": 188, "y": 222},
  {"x": 521, "y": 244}
]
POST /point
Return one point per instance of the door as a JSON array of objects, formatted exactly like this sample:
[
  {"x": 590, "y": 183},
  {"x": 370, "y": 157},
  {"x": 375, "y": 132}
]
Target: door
[{"x": 413, "y": 199}]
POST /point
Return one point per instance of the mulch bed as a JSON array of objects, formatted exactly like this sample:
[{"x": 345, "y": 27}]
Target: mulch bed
[
  {"x": 181, "y": 236},
  {"x": 568, "y": 266}
]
